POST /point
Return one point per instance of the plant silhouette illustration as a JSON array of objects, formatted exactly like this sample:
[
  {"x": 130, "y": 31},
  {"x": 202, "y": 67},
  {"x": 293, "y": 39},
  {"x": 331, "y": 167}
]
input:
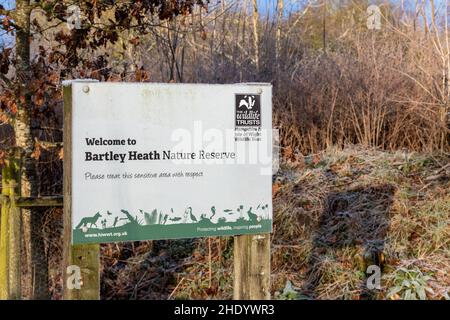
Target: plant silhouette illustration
[
  {"x": 150, "y": 218},
  {"x": 89, "y": 221},
  {"x": 165, "y": 219},
  {"x": 132, "y": 221}
]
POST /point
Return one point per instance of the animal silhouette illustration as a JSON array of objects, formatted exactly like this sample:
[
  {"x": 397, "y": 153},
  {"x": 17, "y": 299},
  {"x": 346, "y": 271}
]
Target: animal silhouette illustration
[
  {"x": 228, "y": 211},
  {"x": 265, "y": 212},
  {"x": 191, "y": 215},
  {"x": 251, "y": 215},
  {"x": 213, "y": 210},
  {"x": 247, "y": 104},
  {"x": 239, "y": 210},
  {"x": 221, "y": 220},
  {"x": 89, "y": 221}
]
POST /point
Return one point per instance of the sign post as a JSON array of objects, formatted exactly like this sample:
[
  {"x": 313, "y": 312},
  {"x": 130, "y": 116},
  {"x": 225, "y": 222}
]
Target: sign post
[
  {"x": 81, "y": 263},
  {"x": 166, "y": 161},
  {"x": 251, "y": 267},
  {"x": 10, "y": 235}
]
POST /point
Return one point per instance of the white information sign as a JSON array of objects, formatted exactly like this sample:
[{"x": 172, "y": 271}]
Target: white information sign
[{"x": 164, "y": 161}]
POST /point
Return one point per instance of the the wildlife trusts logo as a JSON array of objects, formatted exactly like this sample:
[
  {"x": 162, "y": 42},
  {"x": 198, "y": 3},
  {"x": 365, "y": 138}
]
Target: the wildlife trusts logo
[{"x": 248, "y": 110}]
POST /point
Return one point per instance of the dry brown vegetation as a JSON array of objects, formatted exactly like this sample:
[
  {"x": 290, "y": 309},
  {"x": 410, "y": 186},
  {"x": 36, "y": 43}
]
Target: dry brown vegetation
[
  {"x": 333, "y": 85},
  {"x": 336, "y": 213}
]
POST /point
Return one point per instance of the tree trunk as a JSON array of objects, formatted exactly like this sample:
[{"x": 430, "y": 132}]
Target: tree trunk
[
  {"x": 280, "y": 6},
  {"x": 34, "y": 266},
  {"x": 256, "y": 33},
  {"x": 324, "y": 26}
]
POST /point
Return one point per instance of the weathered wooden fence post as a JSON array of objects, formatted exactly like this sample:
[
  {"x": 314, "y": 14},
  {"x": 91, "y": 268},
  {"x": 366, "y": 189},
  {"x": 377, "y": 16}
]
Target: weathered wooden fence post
[
  {"x": 10, "y": 271},
  {"x": 83, "y": 258},
  {"x": 4, "y": 235},
  {"x": 252, "y": 267}
]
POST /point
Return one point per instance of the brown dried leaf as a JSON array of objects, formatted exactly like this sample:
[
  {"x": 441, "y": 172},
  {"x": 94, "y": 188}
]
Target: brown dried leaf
[
  {"x": 275, "y": 188},
  {"x": 37, "y": 152}
]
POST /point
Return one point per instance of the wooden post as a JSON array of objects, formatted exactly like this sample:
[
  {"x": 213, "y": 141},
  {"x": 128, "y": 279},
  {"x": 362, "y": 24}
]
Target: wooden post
[
  {"x": 10, "y": 236},
  {"x": 85, "y": 258},
  {"x": 35, "y": 202},
  {"x": 252, "y": 267},
  {"x": 14, "y": 235},
  {"x": 4, "y": 235}
]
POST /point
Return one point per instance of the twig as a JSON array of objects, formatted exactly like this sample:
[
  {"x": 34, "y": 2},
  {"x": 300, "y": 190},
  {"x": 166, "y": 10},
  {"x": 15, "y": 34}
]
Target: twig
[
  {"x": 209, "y": 261},
  {"x": 175, "y": 289}
]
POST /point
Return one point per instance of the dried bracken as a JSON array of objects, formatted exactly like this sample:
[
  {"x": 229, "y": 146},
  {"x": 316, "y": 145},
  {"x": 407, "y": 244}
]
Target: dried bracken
[{"x": 335, "y": 214}]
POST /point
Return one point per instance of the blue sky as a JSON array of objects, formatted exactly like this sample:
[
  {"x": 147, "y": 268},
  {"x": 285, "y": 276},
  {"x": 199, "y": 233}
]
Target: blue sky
[
  {"x": 7, "y": 3},
  {"x": 266, "y": 7}
]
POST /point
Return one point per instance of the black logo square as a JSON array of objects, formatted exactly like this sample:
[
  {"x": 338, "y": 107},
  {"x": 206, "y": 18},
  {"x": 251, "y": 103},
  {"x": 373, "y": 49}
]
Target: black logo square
[{"x": 248, "y": 110}]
